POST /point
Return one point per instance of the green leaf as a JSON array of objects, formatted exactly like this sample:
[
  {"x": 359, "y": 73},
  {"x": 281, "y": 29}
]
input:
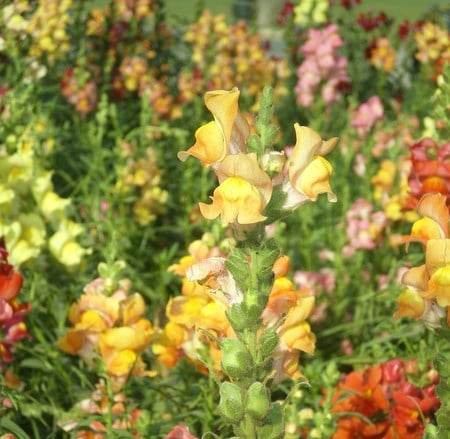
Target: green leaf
[
  {"x": 267, "y": 343},
  {"x": 13, "y": 428},
  {"x": 237, "y": 264}
]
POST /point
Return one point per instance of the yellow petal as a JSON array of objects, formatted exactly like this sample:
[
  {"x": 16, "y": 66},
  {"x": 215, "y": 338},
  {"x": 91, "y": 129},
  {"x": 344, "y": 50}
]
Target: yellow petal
[
  {"x": 411, "y": 304},
  {"x": 308, "y": 144},
  {"x": 224, "y": 107},
  {"x": 434, "y": 206},
  {"x": 133, "y": 309},
  {"x": 72, "y": 342},
  {"x": 92, "y": 320},
  {"x": 424, "y": 229},
  {"x": 121, "y": 363},
  {"x": 209, "y": 147},
  {"x": 314, "y": 180},
  {"x": 235, "y": 200},
  {"x": 440, "y": 285},
  {"x": 246, "y": 166},
  {"x": 437, "y": 254}
]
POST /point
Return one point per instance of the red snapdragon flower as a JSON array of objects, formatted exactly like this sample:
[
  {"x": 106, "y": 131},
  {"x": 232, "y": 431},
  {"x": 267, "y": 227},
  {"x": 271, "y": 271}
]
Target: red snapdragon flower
[
  {"x": 370, "y": 21},
  {"x": 286, "y": 11},
  {"x": 348, "y": 4},
  {"x": 404, "y": 29},
  {"x": 12, "y": 326},
  {"x": 430, "y": 172}
]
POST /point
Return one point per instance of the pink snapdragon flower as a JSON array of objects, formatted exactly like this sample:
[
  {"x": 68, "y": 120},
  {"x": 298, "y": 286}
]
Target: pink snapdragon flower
[
  {"x": 364, "y": 227},
  {"x": 367, "y": 115},
  {"x": 321, "y": 66}
]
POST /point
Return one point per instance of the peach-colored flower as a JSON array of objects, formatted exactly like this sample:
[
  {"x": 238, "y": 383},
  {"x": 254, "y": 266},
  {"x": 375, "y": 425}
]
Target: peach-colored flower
[
  {"x": 308, "y": 171},
  {"x": 212, "y": 272},
  {"x": 428, "y": 286},
  {"x": 383, "y": 55},
  {"x": 244, "y": 190}
]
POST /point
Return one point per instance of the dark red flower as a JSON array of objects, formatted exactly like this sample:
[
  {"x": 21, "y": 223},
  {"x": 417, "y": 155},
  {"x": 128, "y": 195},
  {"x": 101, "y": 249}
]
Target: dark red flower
[
  {"x": 286, "y": 11},
  {"x": 404, "y": 29}
]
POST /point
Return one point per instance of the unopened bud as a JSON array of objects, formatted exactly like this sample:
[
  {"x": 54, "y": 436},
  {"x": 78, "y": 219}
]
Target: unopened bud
[
  {"x": 236, "y": 360},
  {"x": 273, "y": 162},
  {"x": 231, "y": 403},
  {"x": 258, "y": 401}
]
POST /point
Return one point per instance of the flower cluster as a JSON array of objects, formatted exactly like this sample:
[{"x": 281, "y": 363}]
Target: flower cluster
[
  {"x": 197, "y": 319},
  {"x": 245, "y": 187},
  {"x": 364, "y": 227},
  {"x": 108, "y": 324},
  {"x": 433, "y": 46},
  {"x": 14, "y": 21},
  {"x": 391, "y": 190},
  {"x": 224, "y": 56},
  {"x": 48, "y": 29},
  {"x": 30, "y": 206},
  {"x": 131, "y": 33},
  {"x": 387, "y": 403},
  {"x": 79, "y": 90},
  {"x": 367, "y": 115},
  {"x": 430, "y": 171},
  {"x": 12, "y": 312},
  {"x": 322, "y": 67},
  {"x": 426, "y": 296},
  {"x": 382, "y": 55},
  {"x": 199, "y": 308},
  {"x": 370, "y": 21},
  {"x": 100, "y": 404},
  {"x": 144, "y": 176},
  {"x": 311, "y": 12}
]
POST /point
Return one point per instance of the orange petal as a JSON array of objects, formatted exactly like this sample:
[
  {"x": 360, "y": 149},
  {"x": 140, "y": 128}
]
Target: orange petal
[
  {"x": 434, "y": 206},
  {"x": 416, "y": 277}
]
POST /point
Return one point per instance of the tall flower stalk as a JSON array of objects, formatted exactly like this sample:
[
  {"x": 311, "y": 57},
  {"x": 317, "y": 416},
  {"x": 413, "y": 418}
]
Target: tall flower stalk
[{"x": 257, "y": 187}]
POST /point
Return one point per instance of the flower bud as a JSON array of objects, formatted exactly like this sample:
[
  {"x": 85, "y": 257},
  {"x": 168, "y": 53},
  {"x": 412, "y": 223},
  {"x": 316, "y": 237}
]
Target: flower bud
[
  {"x": 236, "y": 360},
  {"x": 273, "y": 162},
  {"x": 258, "y": 401},
  {"x": 231, "y": 403}
]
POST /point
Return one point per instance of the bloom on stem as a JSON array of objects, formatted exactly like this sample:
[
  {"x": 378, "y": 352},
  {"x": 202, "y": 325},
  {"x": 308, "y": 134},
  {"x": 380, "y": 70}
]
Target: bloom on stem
[
  {"x": 225, "y": 135},
  {"x": 12, "y": 313},
  {"x": 428, "y": 286},
  {"x": 244, "y": 190},
  {"x": 308, "y": 171},
  {"x": 110, "y": 326}
]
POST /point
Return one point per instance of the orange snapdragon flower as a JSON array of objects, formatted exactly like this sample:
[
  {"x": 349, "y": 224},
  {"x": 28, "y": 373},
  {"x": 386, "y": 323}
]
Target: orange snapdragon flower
[{"x": 365, "y": 396}]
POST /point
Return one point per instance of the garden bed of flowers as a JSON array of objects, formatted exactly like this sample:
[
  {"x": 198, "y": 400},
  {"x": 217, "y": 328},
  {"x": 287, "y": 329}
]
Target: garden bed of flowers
[{"x": 204, "y": 237}]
